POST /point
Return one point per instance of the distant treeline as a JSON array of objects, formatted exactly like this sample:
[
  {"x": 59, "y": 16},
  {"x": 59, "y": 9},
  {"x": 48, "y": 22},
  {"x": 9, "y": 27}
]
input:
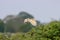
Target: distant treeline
[
  {"x": 48, "y": 31},
  {"x": 13, "y": 28},
  {"x": 15, "y": 23}
]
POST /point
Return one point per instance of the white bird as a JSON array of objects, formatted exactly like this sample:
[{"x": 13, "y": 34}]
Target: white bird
[{"x": 32, "y": 21}]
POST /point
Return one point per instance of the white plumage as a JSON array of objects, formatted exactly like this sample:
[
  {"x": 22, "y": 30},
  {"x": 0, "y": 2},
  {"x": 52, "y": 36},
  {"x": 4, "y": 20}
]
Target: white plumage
[{"x": 32, "y": 21}]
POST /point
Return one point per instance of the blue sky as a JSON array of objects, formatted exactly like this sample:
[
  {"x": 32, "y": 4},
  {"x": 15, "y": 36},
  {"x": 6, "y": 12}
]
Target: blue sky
[{"x": 42, "y": 10}]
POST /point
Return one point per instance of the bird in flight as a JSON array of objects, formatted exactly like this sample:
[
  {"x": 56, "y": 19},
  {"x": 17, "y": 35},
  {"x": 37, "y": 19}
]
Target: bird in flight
[{"x": 32, "y": 21}]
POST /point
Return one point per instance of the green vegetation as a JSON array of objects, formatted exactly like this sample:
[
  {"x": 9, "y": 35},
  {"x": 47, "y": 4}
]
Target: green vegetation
[
  {"x": 16, "y": 23},
  {"x": 15, "y": 29},
  {"x": 1, "y": 26},
  {"x": 50, "y": 31}
]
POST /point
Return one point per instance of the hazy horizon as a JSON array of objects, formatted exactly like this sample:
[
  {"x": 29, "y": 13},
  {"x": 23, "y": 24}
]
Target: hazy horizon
[{"x": 42, "y": 10}]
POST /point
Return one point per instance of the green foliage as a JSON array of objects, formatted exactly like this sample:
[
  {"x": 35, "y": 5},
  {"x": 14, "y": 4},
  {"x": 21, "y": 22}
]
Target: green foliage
[
  {"x": 1, "y": 26},
  {"x": 26, "y": 27},
  {"x": 3, "y": 37},
  {"x": 16, "y": 23},
  {"x": 25, "y": 15},
  {"x": 49, "y": 31},
  {"x": 25, "y": 31}
]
